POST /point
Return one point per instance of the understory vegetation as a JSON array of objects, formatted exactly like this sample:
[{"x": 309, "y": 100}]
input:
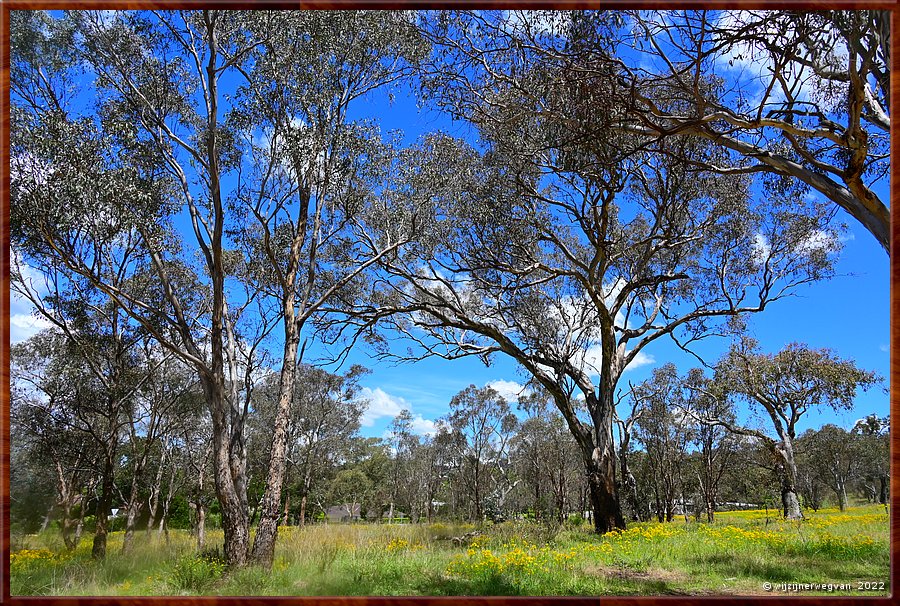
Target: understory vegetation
[{"x": 736, "y": 554}]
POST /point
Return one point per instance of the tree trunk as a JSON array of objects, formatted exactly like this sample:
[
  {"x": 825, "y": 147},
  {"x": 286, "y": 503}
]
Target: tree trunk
[
  {"x": 790, "y": 504},
  {"x": 133, "y": 509},
  {"x": 165, "y": 510},
  {"x": 98, "y": 550},
  {"x": 287, "y": 509},
  {"x": 153, "y": 502},
  {"x": 607, "y": 513},
  {"x": 267, "y": 529},
  {"x": 235, "y": 525},
  {"x": 201, "y": 526},
  {"x": 599, "y": 459},
  {"x": 303, "y": 510},
  {"x": 883, "y": 489},
  {"x": 842, "y": 496}
]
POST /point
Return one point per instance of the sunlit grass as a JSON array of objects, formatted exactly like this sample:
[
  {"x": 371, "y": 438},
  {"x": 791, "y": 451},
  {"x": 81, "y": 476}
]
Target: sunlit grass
[{"x": 735, "y": 555}]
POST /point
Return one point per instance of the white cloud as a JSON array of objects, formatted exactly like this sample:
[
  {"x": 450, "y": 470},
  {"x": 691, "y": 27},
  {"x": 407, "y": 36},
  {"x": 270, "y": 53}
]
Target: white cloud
[
  {"x": 641, "y": 359},
  {"x": 593, "y": 358},
  {"x": 423, "y": 426},
  {"x": 509, "y": 390},
  {"x": 382, "y": 404},
  {"x": 761, "y": 248},
  {"x": 817, "y": 241},
  {"x": 25, "y": 326},
  {"x": 884, "y": 348}
]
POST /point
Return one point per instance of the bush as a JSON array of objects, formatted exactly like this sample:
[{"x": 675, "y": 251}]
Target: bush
[
  {"x": 576, "y": 520},
  {"x": 196, "y": 573}
]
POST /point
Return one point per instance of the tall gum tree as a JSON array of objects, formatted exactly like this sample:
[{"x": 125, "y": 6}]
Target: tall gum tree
[
  {"x": 151, "y": 120},
  {"x": 568, "y": 246},
  {"x": 309, "y": 188}
]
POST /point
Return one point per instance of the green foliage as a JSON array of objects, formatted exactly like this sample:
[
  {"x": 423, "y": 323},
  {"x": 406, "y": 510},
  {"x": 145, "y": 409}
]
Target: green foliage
[{"x": 195, "y": 574}]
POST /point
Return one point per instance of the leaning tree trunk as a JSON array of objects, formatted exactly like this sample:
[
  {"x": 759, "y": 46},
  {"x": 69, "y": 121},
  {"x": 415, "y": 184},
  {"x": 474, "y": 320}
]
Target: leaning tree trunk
[{"x": 270, "y": 507}]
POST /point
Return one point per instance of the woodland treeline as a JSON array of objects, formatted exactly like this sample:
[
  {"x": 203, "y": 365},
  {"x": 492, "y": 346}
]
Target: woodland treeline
[
  {"x": 488, "y": 459},
  {"x": 199, "y": 201}
]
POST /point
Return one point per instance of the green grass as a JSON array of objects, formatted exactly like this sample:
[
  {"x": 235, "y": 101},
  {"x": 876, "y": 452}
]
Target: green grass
[{"x": 736, "y": 555}]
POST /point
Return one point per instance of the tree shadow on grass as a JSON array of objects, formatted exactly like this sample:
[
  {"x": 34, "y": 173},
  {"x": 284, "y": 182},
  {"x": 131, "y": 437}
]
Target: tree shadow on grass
[{"x": 741, "y": 566}]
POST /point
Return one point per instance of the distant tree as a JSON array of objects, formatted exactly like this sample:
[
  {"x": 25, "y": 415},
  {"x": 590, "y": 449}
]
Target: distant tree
[
  {"x": 484, "y": 423},
  {"x": 714, "y": 443},
  {"x": 837, "y": 456},
  {"x": 546, "y": 458},
  {"x": 626, "y": 433},
  {"x": 785, "y": 386},
  {"x": 351, "y": 488},
  {"x": 876, "y": 439},
  {"x": 665, "y": 431}
]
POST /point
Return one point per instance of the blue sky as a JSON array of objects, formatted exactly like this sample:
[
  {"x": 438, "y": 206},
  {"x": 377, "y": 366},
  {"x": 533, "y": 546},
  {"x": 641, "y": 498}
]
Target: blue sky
[{"x": 849, "y": 314}]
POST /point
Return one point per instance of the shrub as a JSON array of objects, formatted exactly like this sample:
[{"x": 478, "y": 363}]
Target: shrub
[{"x": 195, "y": 573}]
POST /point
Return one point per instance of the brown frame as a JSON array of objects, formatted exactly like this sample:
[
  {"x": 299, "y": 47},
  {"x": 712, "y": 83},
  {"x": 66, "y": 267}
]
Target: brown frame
[{"x": 894, "y": 374}]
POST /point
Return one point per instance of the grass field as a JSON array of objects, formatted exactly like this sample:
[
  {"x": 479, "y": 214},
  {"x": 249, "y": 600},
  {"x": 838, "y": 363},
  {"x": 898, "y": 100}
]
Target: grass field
[{"x": 738, "y": 554}]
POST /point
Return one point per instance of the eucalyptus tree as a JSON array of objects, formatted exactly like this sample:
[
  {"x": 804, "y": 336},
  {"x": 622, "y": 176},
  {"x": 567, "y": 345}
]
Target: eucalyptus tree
[
  {"x": 84, "y": 376},
  {"x": 325, "y": 415},
  {"x": 784, "y": 387},
  {"x": 838, "y": 458},
  {"x": 405, "y": 446},
  {"x": 309, "y": 190},
  {"x": 47, "y": 432},
  {"x": 626, "y": 428},
  {"x": 165, "y": 402},
  {"x": 546, "y": 459},
  {"x": 803, "y": 95},
  {"x": 103, "y": 179},
  {"x": 562, "y": 243},
  {"x": 213, "y": 151}
]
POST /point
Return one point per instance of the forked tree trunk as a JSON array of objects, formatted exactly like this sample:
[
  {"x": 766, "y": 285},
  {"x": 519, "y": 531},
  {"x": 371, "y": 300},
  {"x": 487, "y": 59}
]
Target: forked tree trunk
[
  {"x": 842, "y": 496},
  {"x": 235, "y": 525},
  {"x": 599, "y": 459}
]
